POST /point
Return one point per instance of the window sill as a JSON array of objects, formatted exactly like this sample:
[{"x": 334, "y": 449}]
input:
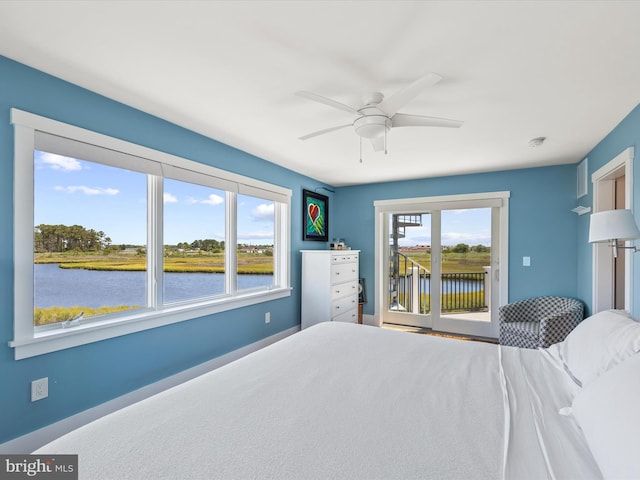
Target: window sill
[{"x": 60, "y": 339}]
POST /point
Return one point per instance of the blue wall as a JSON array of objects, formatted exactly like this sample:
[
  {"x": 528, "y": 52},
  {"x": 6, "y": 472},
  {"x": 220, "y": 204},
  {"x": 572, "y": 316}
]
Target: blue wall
[
  {"x": 541, "y": 224},
  {"x": 82, "y": 377},
  {"x": 625, "y": 134}
]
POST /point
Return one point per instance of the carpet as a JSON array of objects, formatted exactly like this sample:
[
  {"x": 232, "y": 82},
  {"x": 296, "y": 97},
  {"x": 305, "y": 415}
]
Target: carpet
[{"x": 424, "y": 331}]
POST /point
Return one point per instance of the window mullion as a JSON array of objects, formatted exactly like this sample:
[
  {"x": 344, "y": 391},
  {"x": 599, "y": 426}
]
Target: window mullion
[
  {"x": 155, "y": 247},
  {"x": 281, "y": 246},
  {"x": 231, "y": 244},
  {"x": 277, "y": 274}
]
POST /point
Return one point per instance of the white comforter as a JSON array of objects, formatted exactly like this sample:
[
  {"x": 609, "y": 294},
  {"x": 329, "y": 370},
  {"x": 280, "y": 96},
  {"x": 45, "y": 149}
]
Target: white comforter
[{"x": 351, "y": 402}]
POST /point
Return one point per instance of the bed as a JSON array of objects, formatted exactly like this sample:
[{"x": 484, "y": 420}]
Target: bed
[{"x": 356, "y": 402}]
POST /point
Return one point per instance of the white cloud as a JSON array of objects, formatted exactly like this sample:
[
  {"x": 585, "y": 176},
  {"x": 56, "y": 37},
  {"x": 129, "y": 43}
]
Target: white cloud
[
  {"x": 87, "y": 190},
  {"x": 263, "y": 212},
  {"x": 449, "y": 239},
  {"x": 415, "y": 240},
  {"x": 266, "y": 235},
  {"x": 477, "y": 238},
  {"x": 170, "y": 198},
  {"x": 213, "y": 199},
  {"x": 59, "y": 162}
]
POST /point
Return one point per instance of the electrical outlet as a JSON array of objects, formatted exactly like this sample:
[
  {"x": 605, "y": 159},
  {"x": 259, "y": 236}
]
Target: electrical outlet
[
  {"x": 267, "y": 317},
  {"x": 39, "y": 389}
]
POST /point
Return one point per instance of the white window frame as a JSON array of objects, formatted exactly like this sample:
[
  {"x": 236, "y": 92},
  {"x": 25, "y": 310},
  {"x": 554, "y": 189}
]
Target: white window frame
[{"x": 29, "y": 341}]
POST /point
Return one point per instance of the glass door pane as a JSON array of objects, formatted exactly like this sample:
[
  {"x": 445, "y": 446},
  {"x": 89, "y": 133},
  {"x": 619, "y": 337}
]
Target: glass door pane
[
  {"x": 466, "y": 259},
  {"x": 409, "y": 269}
]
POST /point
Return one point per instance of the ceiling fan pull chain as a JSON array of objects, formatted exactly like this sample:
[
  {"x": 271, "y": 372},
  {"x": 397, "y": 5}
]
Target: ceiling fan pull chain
[{"x": 360, "y": 149}]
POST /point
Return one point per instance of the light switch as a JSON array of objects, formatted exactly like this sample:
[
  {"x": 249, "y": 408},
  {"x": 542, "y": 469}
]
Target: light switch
[{"x": 526, "y": 261}]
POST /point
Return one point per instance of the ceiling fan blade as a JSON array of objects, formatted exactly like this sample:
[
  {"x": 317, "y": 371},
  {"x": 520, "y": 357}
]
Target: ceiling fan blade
[
  {"x": 327, "y": 101},
  {"x": 395, "y": 102},
  {"x": 406, "y": 120},
  {"x": 326, "y": 130},
  {"x": 378, "y": 143}
]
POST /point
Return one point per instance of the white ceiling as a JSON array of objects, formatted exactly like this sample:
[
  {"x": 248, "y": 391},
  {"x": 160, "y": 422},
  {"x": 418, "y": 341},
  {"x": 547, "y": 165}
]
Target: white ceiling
[{"x": 513, "y": 70}]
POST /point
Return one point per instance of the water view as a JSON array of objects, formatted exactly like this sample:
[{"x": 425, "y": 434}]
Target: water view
[{"x": 55, "y": 286}]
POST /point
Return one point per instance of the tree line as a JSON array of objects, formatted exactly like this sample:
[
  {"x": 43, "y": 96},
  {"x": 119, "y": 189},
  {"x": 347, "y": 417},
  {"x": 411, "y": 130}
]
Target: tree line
[
  {"x": 63, "y": 238},
  {"x": 207, "y": 245},
  {"x": 464, "y": 248}
]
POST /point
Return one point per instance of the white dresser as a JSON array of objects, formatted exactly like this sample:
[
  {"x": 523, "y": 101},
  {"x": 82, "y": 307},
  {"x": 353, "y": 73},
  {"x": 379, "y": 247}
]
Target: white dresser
[{"x": 329, "y": 286}]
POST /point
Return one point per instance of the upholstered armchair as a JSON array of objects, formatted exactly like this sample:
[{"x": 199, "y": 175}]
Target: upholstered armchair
[{"x": 539, "y": 321}]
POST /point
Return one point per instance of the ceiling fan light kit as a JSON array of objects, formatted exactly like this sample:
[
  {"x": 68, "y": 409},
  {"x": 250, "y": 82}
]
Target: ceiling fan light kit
[
  {"x": 371, "y": 125},
  {"x": 378, "y": 115}
]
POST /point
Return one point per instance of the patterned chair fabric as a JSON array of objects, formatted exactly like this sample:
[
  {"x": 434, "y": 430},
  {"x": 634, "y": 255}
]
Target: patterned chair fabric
[{"x": 539, "y": 321}]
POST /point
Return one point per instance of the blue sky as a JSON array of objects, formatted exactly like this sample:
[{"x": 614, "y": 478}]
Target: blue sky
[
  {"x": 76, "y": 192},
  {"x": 470, "y": 226}
]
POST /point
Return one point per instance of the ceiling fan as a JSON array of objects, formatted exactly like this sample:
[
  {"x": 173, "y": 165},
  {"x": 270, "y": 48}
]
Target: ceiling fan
[{"x": 379, "y": 114}]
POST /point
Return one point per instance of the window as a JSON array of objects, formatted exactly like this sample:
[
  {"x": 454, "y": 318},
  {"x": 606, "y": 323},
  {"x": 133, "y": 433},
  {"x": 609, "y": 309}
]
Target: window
[
  {"x": 256, "y": 224},
  {"x": 113, "y": 238},
  {"x": 89, "y": 240},
  {"x": 194, "y": 246},
  {"x": 582, "y": 187}
]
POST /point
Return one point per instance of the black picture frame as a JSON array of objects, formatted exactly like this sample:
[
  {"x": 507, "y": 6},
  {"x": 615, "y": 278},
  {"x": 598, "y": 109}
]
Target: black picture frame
[{"x": 315, "y": 216}]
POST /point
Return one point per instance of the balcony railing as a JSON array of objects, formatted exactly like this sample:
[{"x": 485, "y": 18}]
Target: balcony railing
[{"x": 410, "y": 287}]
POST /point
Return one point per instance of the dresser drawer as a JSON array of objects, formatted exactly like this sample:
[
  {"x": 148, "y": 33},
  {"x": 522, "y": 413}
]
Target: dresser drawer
[
  {"x": 343, "y": 304},
  {"x": 343, "y": 272},
  {"x": 339, "y": 290},
  {"x": 346, "y": 257},
  {"x": 349, "y": 317}
]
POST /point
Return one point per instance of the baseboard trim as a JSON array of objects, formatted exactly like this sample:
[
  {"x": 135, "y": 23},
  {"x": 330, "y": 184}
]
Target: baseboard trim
[
  {"x": 369, "y": 320},
  {"x": 36, "y": 439}
]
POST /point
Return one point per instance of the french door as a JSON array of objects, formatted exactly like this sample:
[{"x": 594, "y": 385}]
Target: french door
[{"x": 441, "y": 262}]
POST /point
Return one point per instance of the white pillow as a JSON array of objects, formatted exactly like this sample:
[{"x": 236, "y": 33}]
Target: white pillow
[
  {"x": 608, "y": 412},
  {"x": 598, "y": 343}
]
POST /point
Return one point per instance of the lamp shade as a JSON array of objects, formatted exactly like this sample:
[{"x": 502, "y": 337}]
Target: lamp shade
[{"x": 612, "y": 225}]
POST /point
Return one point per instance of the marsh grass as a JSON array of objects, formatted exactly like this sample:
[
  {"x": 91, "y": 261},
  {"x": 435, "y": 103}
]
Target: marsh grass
[
  {"x": 472, "y": 262},
  {"x": 43, "y": 316},
  {"x": 248, "y": 263}
]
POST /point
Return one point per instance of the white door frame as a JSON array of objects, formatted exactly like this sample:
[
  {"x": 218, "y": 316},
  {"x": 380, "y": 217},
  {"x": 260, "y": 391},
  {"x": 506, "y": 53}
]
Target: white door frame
[
  {"x": 603, "y": 199},
  {"x": 421, "y": 205}
]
